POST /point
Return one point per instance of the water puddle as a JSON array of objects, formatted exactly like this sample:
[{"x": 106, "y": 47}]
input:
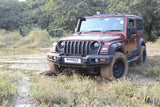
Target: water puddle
[
  {"x": 2, "y": 66},
  {"x": 22, "y": 98},
  {"x": 28, "y": 67}
]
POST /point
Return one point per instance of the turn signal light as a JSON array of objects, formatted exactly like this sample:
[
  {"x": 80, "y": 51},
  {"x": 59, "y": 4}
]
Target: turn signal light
[
  {"x": 102, "y": 59},
  {"x": 50, "y": 56}
]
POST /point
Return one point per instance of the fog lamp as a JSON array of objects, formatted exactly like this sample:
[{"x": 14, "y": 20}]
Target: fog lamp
[{"x": 96, "y": 60}]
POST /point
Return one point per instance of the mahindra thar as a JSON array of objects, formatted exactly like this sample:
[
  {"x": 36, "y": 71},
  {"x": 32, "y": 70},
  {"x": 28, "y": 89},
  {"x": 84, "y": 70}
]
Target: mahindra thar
[{"x": 104, "y": 44}]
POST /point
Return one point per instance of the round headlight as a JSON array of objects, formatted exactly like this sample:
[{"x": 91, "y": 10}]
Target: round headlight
[
  {"x": 62, "y": 44},
  {"x": 96, "y": 45}
]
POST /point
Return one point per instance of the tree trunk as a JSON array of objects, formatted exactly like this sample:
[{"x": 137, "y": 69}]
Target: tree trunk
[{"x": 149, "y": 32}]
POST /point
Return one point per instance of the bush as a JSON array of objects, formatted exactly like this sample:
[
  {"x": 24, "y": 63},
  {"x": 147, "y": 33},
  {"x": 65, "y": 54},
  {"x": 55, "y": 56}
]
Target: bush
[
  {"x": 37, "y": 38},
  {"x": 8, "y": 39},
  {"x": 24, "y": 30}
]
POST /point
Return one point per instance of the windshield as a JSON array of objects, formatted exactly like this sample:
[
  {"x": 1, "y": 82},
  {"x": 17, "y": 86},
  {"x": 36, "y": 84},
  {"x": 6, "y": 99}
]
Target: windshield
[{"x": 104, "y": 24}]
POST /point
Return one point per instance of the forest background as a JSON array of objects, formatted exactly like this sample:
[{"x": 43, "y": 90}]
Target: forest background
[{"x": 58, "y": 18}]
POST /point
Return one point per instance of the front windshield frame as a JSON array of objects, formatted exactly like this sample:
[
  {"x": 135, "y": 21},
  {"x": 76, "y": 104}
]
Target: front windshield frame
[{"x": 84, "y": 25}]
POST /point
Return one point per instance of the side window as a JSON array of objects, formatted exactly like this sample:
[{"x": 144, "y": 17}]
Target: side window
[
  {"x": 131, "y": 22},
  {"x": 139, "y": 24}
]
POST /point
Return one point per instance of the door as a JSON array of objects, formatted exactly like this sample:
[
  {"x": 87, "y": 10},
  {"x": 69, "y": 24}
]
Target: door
[{"x": 132, "y": 40}]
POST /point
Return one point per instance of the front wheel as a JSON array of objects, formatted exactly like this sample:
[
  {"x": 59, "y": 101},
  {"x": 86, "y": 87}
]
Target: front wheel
[
  {"x": 117, "y": 69},
  {"x": 54, "y": 68}
]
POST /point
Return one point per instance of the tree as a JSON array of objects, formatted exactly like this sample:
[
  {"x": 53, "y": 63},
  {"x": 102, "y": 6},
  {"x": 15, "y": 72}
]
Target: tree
[
  {"x": 148, "y": 10},
  {"x": 65, "y": 13},
  {"x": 34, "y": 15},
  {"x": 10, "y": 14}
]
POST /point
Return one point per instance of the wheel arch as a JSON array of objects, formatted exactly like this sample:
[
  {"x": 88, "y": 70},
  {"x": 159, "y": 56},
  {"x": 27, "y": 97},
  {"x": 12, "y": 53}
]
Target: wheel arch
[
  {"x": 141, "y": 43},
  {"x": 116, "y": 47}
]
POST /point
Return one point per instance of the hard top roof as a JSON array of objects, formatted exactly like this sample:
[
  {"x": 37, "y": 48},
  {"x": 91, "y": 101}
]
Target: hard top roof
[{"x": 113, "y": 15}]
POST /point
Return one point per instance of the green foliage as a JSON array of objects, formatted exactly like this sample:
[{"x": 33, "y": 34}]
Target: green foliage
[
  {"x": 10, "y": 14},
  {"x": 24, "y": 30},
  {"x": 35, "y": 39},
  {"x": 57, "y": 16},
  {"x": 148, "y": 10},
  {"x": 8, "y": 39},
  {"x": 65, "y": 13}
]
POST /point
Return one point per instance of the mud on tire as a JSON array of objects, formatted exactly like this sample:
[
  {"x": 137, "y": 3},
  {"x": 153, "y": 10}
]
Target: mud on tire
[
  {"x": 117, "y": 69},
  {"x": 53, "y": 68}
]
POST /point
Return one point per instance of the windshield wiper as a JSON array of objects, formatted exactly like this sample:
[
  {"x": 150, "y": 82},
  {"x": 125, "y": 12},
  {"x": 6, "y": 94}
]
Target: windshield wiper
[
  {"x": 103, "y": 31},
  {"x": 94, "y": 31},
  {"x": 112, "y": 30}
]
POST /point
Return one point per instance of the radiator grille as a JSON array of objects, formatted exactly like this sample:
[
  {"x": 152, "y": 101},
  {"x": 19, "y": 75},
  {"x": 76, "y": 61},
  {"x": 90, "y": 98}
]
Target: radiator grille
[{"x": 77, "y": 48}]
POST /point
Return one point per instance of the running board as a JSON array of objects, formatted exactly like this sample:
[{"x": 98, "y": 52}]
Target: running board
[{"x": 133, "y": 59}]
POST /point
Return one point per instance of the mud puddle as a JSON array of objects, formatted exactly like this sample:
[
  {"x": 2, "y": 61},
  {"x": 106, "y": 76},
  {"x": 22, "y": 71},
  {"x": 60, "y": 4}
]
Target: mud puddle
[
  {"x": 27, "y": 66},
  {"x": 22, "y": 97}
]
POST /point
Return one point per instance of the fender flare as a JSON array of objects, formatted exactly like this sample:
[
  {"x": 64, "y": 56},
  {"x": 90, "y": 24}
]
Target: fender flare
[
  {"x": 116, "y": 47},
  {"x": 141, "y": 42}
]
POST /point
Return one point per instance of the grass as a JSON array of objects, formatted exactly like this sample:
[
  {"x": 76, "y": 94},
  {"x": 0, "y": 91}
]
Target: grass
[
  {"x": 79, "y": 90},
  {"x": 35, "y": 39},
  {"x": 20, "y": 51},
  {"x": 152, "y": 67},
  {"x": 153, "y": 48},
  {"x": 7, "y": 85},
  {"x": 9, "y": 39}
]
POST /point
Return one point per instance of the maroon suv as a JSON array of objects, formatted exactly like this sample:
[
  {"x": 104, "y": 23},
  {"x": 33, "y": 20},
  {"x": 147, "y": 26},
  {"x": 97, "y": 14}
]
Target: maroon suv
[{"x": 101, "y": 44}]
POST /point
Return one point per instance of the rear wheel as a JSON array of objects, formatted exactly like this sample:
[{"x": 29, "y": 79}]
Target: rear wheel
[
  {"x": 54, "y": 68},
  {"x": 117, "y": 69},
  {"x": 142, "y": 56}
]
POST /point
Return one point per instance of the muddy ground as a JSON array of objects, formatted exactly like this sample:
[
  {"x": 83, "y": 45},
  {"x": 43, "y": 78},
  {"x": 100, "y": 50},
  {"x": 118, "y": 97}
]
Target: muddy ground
[{"x": 31, "y": 63}]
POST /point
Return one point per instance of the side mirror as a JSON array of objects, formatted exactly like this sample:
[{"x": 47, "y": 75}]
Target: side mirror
[{"x": 132, "y": 30}]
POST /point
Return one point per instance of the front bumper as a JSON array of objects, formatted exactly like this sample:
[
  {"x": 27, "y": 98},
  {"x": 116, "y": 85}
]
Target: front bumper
[{"x": 86, "y": 62}]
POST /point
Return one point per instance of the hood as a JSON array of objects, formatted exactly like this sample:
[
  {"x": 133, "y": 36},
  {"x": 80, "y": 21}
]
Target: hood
[{"x": 99, "y": 37}]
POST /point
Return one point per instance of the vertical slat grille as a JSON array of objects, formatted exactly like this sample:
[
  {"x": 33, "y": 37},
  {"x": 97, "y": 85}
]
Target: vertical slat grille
[{"x": 77, "y": 48}]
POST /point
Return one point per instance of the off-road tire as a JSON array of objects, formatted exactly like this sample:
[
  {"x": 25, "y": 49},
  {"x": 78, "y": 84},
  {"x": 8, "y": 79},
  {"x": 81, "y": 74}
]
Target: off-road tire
[
  {"x": 108, "y": 72},
  {"x": 54, "y": 68},
  {"x": 142, "y": 56}
]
